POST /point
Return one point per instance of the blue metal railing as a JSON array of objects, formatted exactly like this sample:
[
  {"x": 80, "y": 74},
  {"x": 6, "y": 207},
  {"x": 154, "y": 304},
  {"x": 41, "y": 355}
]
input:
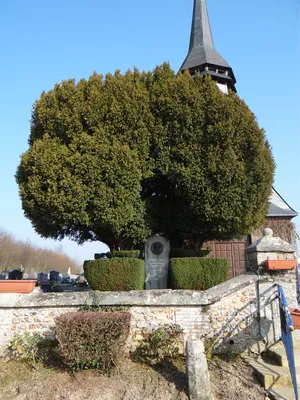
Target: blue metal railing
[
  {"x": 286, "y": 335},
  {"x": 298, "y": 283}
]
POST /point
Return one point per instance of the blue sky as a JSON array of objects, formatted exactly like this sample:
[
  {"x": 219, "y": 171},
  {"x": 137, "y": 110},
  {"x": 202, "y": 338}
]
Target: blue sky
[{"x": 44, "y": 42}]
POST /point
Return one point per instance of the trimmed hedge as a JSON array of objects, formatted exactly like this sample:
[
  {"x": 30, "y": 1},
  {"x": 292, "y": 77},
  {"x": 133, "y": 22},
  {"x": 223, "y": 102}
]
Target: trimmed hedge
[
  {"x": 183, "y": 253},
  {"x": 197, "y": 273},
  {"x": 126, "y": 254},
  {"x": 92, "y": 339},
  {"x": 115, "y": 274}
]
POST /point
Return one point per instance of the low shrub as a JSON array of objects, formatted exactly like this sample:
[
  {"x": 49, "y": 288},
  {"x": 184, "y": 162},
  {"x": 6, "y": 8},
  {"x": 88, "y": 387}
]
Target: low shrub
[
  {"x": 92, "y": 339},
  {"x": 160, "y": 346},
  {"x": 33, "y": 348},
  {"x": 115, "y": 274},
  {"x": 197, "y": 273},
  {"x": 126, "y": 254},
  {"x": 184, "y": 253}
]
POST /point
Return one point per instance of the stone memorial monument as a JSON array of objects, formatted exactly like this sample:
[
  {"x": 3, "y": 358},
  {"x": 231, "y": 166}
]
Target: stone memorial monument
[{"x": 157, "y": 249}]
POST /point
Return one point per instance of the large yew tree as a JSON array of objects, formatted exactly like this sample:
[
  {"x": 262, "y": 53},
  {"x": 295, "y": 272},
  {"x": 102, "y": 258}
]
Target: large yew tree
[{"x": 119, "y": 157}]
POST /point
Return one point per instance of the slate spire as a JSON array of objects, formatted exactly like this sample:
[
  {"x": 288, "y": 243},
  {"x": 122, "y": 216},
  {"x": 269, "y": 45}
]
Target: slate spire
[
  {"x": 202, "y": 55},
  {"x": 201, "y": 30}
]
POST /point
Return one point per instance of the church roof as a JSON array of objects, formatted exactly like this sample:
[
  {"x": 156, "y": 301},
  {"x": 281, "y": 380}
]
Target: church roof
[
  {"x": 278, "y": 207},
  {"x": 202, "y": 55},
  {"x": 202, "y": 50}
]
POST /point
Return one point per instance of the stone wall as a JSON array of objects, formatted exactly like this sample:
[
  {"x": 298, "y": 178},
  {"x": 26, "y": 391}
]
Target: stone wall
[
  {"x": 228, "y": 323},
  {"x": 233, "y": 316}
]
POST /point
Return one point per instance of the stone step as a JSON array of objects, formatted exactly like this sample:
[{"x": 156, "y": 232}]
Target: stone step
[
  {"x": 271, "y": 375},
  {"x": 277, "y": 354},
  {"x": 286, "y": 393}
]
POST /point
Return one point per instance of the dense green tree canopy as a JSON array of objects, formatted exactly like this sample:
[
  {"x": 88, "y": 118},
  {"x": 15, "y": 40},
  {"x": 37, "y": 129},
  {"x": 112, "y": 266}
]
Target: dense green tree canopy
[{"x": 119, "y": 157}]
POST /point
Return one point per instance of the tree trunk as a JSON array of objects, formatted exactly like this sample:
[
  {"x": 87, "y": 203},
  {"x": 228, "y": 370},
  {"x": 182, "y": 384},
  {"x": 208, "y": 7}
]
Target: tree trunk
[{"x": 198, "y": 242}]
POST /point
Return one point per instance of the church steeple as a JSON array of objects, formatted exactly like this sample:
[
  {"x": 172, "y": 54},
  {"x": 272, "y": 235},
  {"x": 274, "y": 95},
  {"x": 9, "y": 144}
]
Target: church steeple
[{"x": 202, "y": 55}]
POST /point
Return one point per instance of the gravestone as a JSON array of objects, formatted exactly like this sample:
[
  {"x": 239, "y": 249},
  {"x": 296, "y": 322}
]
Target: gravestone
[
  {"x": 54, "y": 276},
  {"x": 15, "y": 275},
  {"x": 98, "y": 256},
  {"x": 157, "y": 249},
  {"x": 42, "y": 276},
  {"x": 66, "y": 278}
]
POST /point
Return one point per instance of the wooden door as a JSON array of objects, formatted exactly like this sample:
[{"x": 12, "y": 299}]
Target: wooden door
[{"x": 234, "y": 251}]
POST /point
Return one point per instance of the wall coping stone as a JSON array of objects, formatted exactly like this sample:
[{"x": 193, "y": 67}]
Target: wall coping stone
[{"x": 150, "y": 298}]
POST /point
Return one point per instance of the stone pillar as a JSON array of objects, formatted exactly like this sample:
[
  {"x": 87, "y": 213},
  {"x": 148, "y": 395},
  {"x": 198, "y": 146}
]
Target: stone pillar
[
  {"x": 157, "y": 249},
  {"x": 271, "y": 248},
  {"x": 268, "y": 247},
  {"x": 197, "y": 371}
]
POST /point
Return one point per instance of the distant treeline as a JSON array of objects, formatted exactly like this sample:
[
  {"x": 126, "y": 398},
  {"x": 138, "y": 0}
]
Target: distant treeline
[{"x": 15, "y": 254}]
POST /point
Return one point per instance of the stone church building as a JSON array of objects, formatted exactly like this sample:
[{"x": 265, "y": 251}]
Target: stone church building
[{"x": 203, "y": 58}]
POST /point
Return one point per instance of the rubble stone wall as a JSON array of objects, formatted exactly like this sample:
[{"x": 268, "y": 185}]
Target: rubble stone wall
[{"x": 232, "y": 317}]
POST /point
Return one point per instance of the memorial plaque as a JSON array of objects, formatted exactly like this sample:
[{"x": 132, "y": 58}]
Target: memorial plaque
[{"x": 157, "y": 249}]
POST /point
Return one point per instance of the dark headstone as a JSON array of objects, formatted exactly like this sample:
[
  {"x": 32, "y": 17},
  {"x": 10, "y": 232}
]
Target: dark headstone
[
  {"x": 98, "y": 256},
  {"x": 42, "y": 276},
  {"x": 15, "y": 275},
  {"x": 54, "y": 276}
]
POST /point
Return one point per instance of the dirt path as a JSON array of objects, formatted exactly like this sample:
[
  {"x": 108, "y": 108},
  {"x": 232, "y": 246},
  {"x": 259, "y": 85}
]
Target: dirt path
[
  {"x": 233, "y": 380},
  {"x": 131, "y": 381}
]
